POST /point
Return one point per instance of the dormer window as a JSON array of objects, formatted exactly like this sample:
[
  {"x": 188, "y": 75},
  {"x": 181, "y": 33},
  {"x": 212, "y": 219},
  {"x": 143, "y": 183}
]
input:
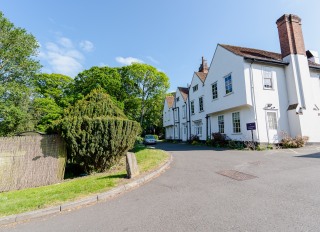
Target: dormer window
[{"x": 195, "y": 88}]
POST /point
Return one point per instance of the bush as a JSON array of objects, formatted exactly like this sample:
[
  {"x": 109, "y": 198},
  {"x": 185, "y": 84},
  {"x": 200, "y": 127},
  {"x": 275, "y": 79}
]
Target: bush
[
  {"x": 97, "y": 132},
  {"x": 139, "y": 140},
  {"x": 219, "y": 140},
  {"x": 239, "y": 145},
  {"x": 299, "y": 141},
  {"x": 194, "y": 138}
]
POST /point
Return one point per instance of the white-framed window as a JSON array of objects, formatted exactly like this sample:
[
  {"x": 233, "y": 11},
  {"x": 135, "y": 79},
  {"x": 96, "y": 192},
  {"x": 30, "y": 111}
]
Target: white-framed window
[
  {"x": 192, "y": 107},
  {"x": 184, "y": 111},
  {"x": 215, "y": 90},
  {"x": 272, "y": 120},
  {"x": 176, "y": 114},
  {"x": 201, "y": 104},
  {"x": 236, "y": 122},
  {"x": 195, "y": 88},
  {"x": 267, "y": 78},
  {"x": 198, "y": 129},
  {"x": 228, "y": 83},
  {"x": 221, "y": 124}
]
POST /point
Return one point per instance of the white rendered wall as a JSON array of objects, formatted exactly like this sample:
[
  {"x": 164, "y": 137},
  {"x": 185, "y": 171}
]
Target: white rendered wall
[
  {"x": 182, "y": 121},
  {"x": 277, "y": 97},
  {"x": 246, "y": 116},
  {"x": 298, "y": 76},
  {"x": 194, "y": 96},
  {"x": 223, "y": 64}
]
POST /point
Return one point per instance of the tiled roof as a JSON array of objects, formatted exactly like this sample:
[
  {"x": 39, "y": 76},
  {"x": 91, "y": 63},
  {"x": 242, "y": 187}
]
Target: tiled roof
[
  {"x": 170, "y": 101},
  {"x": 253, "y": 53},
  {"x": 184, "y": 92},
  {"x": 202, "y": 76},
  {"x": 260, "y": 54}
]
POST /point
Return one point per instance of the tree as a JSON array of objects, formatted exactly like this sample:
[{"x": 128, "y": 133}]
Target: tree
[
  {"x": 147, "y": 86},
  {"x": 15, "y": 109},
  {"x": 54, "y": 86},
  {"x": 17, "y": 52},
  {"x": 105, "y": 77},
  {"x": 17, "y": 67},
  {"x": 97, "y": 132}
]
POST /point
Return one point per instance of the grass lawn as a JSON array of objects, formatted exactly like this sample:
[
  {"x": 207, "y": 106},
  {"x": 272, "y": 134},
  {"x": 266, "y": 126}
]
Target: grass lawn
[{"x": 20, "y": 201}]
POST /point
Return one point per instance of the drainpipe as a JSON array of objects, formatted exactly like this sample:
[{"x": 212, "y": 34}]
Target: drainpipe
[
  {"x": 207, "y": 128},
  {"x": 253, "y": 98},
  {"x": 179, "y": 127},
  {"x": 186, "y": 114},
  {"x": 189, "y": 116}
]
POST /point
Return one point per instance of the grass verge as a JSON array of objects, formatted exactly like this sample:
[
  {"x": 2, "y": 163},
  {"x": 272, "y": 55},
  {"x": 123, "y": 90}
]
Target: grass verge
[{"x": 20, "y": 201}]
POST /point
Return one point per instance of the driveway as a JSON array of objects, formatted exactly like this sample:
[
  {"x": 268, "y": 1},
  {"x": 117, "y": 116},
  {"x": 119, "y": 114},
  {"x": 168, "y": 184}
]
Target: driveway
[{"x": 277, "y": 191}]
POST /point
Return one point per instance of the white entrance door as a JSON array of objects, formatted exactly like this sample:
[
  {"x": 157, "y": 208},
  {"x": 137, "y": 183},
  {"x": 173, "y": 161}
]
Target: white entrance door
[
  {"x": 272, "y": 125},
  {"x": 184, "y": 132}
]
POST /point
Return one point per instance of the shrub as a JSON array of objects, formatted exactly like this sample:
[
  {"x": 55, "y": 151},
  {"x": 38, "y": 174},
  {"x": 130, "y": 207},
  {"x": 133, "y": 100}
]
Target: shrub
[
  {"x": 97, "y": 132},
  {"x": 139, "y": 140},
  {"x": 193, "y": 138},
  {"x": 239, "y": 145},
  {"x": 288, "y": 142},
  {"x": 219, "y": 140}
]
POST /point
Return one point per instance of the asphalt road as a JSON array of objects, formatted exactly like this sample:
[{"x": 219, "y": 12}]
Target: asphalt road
[{"x": 191, "y": 196}]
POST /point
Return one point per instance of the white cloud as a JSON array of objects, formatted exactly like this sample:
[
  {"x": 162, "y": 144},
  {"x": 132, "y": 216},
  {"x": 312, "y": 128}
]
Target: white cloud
[
  {"x": 62, "y": 57},
  {"x": 101, "y": 64},
  {"x": 65, "y": 42},
  {"x": 128, "y": 60},
  {"x": 152, "y": 59},
  {"x": 86, "y": 45}
]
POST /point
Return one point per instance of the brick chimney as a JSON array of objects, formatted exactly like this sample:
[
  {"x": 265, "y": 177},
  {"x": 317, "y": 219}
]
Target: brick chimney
[
  {"x": 203, "y": 66},
  {"x": 290, "y": 35}
]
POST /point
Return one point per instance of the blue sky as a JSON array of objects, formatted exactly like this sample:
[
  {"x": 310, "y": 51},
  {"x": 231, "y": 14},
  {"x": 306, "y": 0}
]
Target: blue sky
[{"x": 170, "y": 35}]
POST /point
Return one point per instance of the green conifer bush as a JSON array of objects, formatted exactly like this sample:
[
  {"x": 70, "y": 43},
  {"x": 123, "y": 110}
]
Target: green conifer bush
[{"x": 97, "y": 132}]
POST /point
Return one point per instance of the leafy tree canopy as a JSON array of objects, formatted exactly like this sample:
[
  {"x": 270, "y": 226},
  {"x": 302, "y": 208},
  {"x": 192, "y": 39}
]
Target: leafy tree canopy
[
  {"x": 148, "y": 87},
  {"x": 17, "y": 51}
]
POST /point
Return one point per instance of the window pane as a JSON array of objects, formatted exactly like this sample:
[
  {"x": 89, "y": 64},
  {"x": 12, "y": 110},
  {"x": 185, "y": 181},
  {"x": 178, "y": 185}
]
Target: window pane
[
  {"x": 228, "y": 84},
  {"x": 192, "y": 107},
  {"x": 221, "y": 124},
  {"x": 201, "y": 104},
  {"x": 267, "y": 83},
  {"x": 236, "y": 122},
  {"x": 272, "y": 120},
  {"x": 214, "y": 91}
]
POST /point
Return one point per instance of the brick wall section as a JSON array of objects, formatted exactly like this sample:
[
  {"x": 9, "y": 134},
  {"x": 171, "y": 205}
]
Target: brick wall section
[
  {"x": 31, "y": 161},
  {"x": 290, "y": 35}
]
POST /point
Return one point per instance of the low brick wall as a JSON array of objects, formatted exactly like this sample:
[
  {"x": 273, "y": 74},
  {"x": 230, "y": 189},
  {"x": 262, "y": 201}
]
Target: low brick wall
[{"x": 31, "y": 161}]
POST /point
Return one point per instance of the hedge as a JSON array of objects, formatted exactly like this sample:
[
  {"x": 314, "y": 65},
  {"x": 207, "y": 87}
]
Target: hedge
[{"x": 97, "y": 133}]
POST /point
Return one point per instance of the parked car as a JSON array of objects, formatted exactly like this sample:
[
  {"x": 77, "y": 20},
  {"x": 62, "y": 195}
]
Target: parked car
[{"x": 149, "y": 139}]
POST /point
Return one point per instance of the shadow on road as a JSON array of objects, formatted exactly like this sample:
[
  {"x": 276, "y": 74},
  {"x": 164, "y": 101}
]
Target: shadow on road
[
  {"x": 185, "y": 147},
  {"x": 313, "y": 155}
]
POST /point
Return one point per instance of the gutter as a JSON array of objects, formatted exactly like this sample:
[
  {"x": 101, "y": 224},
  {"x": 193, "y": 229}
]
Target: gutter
[
  {"x": 265, "y": 61},
  {"x": 314, "y": 67}
]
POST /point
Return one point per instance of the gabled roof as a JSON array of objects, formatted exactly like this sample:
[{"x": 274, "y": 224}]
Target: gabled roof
[
  {"x": 170, "y": 101},
  {"x": 252, "y": 53},
  {"x": 184, "y": 92},
  {"x": 202, "y": 76}
]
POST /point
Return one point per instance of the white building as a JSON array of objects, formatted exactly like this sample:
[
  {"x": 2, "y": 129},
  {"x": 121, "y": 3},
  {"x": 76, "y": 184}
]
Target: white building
[
  {"x": 168, "y": 117},
  {"x": 279, "y": 93}
]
